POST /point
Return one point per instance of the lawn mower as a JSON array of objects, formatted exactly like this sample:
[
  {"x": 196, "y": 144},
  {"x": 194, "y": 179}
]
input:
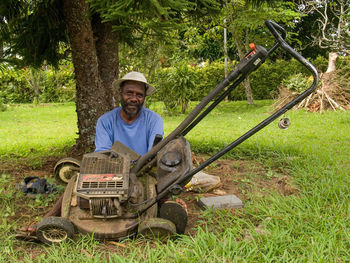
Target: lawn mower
[{"x": 117, "y": 194}]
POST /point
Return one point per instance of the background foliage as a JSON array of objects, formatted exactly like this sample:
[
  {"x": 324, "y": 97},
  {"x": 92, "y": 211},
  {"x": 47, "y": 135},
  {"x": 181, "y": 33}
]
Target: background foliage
[
  {"x": 177, "y": 85},
  {"x": 184, "y": 62},
  {"x": 55, "y": 85}
]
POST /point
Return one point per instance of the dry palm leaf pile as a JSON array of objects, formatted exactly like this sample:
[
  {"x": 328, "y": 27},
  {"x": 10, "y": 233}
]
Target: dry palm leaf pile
[{"x": 333, "y": 92}]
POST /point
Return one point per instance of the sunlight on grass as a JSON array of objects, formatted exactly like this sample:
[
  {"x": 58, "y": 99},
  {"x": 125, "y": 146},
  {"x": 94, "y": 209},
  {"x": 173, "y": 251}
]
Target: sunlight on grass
[{"x": 29, "y": 130}]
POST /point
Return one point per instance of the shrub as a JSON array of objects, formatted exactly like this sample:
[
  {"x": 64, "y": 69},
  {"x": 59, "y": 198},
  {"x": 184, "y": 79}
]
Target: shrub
[
  {"x": 58, "y": 85},
  {"x": 176, "y": 87},
  {"x": 268, "y": 78},
  {"x": 321, "y": 63},
  {"x": 343, "y": 66},
  {"x": 208, "y": 77},
  {"x": 2, "y": 106},
  {"x": 296, "y": 83},
  {"x": 54, "y": 85},
  {"x": 14, "y": 87}
]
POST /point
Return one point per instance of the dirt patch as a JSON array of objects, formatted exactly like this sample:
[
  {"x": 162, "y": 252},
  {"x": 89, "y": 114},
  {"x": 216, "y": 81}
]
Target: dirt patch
[
  {"x": 21, "y": 168},
  {"x": 245, "y": 179}
]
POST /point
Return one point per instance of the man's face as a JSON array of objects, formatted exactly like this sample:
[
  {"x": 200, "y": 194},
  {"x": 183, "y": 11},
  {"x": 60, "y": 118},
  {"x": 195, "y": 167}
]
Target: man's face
[{"x": 132, "y": 96}]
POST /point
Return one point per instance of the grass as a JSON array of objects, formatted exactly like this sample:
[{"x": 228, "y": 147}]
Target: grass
[
  {"x": 311, "y": 226},
  {"x": 29, "y": 131}
]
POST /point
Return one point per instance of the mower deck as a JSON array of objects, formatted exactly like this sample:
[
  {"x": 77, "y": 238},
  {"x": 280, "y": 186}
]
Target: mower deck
[
  {"x": 104, "y": 229},
  {"x": 110, "y": 229}
]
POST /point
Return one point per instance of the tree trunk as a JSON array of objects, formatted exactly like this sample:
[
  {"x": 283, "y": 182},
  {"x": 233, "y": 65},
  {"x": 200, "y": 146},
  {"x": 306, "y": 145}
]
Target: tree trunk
[
  {"x": 108, "y": 60},
  {"x": 92, "y": 98},
  {"x": 248, "y": 91},
  {"x": 33, "y": 79},
  {"x": 241, "y": 53},
  {"x": 332, "y": 59}
]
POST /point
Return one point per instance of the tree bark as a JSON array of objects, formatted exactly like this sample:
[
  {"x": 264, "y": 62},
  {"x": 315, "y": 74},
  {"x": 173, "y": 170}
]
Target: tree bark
[
  {"x": 241, "y": 54},
  {"x": 248, "y": 91},
  {"x": 33, "y": 79},
  {"x": 332, "y": 59},
  {"x": 108, "y": 59},
  {"x": 92, "y": 99}
]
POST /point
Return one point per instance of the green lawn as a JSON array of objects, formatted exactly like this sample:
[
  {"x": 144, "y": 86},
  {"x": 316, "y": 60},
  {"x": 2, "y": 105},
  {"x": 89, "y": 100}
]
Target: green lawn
[
  {"x": 312, "y": 225},
  {"x": 36, "y": 131}
]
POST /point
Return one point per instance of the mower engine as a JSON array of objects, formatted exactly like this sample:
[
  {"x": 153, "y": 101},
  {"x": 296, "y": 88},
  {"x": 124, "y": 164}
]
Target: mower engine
[{"x": 103, "y": 184}]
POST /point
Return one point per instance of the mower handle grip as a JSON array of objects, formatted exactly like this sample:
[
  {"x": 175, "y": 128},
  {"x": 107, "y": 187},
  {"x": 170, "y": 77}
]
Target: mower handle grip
[{"x": 276, "y": 30}]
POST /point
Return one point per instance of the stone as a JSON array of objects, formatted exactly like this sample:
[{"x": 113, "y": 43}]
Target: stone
[{"x": 219, "y": 202}]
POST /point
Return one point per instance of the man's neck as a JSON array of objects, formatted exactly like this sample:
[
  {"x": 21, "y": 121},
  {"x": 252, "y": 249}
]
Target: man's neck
[{"x": 127, "y": 118}]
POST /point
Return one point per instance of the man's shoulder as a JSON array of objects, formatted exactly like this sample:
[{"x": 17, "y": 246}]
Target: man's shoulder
[
  {"x": 110, "y": 114},
  {"x": 150, "y": 114}
]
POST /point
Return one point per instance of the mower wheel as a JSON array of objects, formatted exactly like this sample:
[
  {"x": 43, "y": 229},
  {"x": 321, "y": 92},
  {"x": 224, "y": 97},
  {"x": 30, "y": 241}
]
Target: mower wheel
[
  {"x": 54, "y": 230},
  {"x": 66, "y": 168},
  {"x": 159, "y": 228},
  {"x": 174, "y": 212}
]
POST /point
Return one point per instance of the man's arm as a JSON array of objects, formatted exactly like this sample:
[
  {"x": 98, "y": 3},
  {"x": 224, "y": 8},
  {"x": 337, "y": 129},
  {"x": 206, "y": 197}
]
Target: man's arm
[
  {"x": 104, "y": 135},
  {"x": 156, "y": 128}
]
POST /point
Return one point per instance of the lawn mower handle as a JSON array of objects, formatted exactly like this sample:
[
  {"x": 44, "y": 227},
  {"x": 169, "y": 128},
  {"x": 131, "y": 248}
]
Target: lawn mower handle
[
  {"x": 193, "y": 118},
  {"x": 281, "y": 42},
  {"x": 181, "y": 181}
]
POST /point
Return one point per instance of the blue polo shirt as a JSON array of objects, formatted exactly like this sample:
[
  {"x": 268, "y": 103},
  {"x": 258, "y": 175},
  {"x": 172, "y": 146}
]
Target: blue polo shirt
[{"x": 139, "y": 135}]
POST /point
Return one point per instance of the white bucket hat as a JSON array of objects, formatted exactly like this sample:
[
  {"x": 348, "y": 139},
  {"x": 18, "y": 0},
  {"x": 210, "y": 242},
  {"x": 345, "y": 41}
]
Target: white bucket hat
[{"x": 135, "y": 76}]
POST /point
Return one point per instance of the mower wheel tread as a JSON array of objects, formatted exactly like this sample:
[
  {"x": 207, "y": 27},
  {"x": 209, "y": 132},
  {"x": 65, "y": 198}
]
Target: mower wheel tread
[
  {"x": 54, "y": 230},
  {"x": 156, "y": 227},
  {"x": 174, "y": 212},
  {"x": 66, "y": 168}
]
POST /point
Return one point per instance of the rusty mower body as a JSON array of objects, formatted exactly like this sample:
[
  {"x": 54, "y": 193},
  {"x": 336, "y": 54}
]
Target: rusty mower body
[{"x": 116, "y": 194}]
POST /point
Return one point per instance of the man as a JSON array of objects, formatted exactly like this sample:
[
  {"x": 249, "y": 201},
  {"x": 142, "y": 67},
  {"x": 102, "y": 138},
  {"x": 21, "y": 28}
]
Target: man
[
  {"x": 136, "y": 127},
  {"x": 132, "y": 124}
]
